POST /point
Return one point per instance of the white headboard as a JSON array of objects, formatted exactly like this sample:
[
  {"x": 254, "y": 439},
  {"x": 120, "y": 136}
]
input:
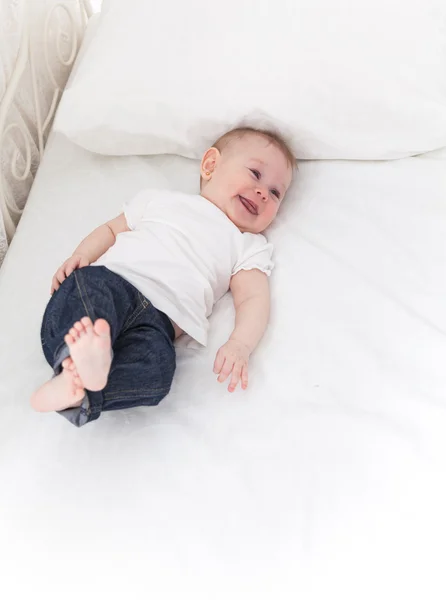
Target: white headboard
[{"x": 39, "y": 42}]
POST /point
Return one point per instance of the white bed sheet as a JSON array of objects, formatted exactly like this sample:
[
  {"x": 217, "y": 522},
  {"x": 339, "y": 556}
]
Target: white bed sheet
[{"x": 326, "y": 477}]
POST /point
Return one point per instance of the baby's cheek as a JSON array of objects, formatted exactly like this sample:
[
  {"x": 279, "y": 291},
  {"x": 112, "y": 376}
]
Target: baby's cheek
[
  {"x": 234, "y": 188},
  {"x": 272, "y": 210}
]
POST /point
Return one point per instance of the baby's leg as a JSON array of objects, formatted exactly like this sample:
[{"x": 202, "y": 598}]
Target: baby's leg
[
  {"x": 92, "y": 292},
  {"x": 143, "y": 364},
  {"x": 109, "y": 302}
]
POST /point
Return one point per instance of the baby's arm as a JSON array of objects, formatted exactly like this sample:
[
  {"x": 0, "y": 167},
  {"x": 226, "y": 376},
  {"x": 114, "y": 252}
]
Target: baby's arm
[
  {"x": 101, "y": 239},
  {"x": 91, "y": 248},
  {"x": 250, "y": 290}
]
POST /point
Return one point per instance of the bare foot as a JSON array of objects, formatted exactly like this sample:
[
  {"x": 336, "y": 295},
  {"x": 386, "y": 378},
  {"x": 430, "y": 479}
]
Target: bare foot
[
  {"x": 70, "y": 366},
  {"x": 58, "y": 393},
  {"x": 90, "y": 351}
]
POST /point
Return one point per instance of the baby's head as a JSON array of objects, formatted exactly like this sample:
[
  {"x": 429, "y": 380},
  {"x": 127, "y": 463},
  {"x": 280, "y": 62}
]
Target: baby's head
[{"x": 246, "y": 174}]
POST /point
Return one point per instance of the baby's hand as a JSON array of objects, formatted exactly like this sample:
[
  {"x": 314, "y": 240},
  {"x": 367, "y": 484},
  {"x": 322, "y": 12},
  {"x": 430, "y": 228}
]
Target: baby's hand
[
  {"x": 71, "y": 264},
  {"x": 232, "y": 358}
]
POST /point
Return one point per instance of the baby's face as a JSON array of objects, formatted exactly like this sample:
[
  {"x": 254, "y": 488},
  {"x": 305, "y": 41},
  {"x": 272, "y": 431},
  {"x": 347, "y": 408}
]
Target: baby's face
[{"x": 247, "y": 181}]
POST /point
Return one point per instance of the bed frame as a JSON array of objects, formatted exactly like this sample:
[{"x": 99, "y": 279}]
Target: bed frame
[{"x": 48, "y": 41}]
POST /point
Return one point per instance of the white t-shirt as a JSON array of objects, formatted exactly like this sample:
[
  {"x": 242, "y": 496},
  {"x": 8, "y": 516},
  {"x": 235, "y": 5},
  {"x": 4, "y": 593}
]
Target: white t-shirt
[{"x": 181, "y": 253}]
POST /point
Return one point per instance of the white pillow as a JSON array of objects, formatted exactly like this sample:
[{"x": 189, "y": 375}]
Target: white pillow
[{"x": 354, "y": 79}]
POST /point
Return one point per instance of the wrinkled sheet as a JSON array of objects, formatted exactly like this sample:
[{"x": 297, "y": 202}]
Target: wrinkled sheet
[{"x": 326, "y": 476}]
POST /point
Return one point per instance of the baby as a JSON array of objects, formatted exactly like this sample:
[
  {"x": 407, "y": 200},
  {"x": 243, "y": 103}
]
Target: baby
[{"x": 141, "y": 280}]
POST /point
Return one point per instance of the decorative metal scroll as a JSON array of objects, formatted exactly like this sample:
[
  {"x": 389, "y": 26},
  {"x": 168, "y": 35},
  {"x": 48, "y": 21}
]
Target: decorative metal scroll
[{"x": 49, "y": 42}]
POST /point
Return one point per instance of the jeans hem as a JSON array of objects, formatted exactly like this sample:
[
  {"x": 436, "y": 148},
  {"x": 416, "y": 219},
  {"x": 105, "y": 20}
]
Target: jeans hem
[{"x": 78, "y": 415}]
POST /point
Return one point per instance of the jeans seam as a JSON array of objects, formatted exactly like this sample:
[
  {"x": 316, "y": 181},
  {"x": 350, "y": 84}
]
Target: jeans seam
[
  {"x": 133, "y": 317},
  {"x": 82, "y": 294},
  {"x": 156, "y": 391},
  {"x": 44, "y": 331},
  {"x": 145, "y": 303}
]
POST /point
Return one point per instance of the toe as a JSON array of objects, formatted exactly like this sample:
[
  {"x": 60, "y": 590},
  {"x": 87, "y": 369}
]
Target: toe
[
  {"x": 78, "y": 381},
  {"x": 68, "y": 364},
  {"x": 74, "y": 333},
  {"x": 69, "y": 339},
  {"x": 79, "y": 327},
  {"x": 87, "y": 324},
  {"x": 102, "y": 328}
]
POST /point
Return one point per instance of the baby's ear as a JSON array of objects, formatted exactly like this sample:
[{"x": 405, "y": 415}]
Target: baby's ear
[{"x": 209, "y": 163}]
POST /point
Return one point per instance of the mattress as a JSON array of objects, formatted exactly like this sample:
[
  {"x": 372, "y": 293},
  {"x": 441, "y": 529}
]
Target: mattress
[{"x": 326, "y": 476}]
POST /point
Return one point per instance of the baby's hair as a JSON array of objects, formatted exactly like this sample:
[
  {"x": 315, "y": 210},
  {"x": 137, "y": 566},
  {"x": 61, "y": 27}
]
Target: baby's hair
[{"x": 274, "y": 138}]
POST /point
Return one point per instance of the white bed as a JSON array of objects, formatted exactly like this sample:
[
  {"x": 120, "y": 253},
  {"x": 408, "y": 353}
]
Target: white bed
[
  {"x": 327, "y": 474},
  {"x": 325, "y": 478}
]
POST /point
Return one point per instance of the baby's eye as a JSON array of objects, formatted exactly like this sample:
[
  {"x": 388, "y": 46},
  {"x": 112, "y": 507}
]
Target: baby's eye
[
  {"x": 276, "y": 194},
  {"x": 255, "y": 173}
]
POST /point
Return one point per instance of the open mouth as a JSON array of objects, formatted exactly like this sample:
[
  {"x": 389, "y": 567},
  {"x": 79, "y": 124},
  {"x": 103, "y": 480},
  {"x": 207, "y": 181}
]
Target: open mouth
[{"x": 250, "y": 206}]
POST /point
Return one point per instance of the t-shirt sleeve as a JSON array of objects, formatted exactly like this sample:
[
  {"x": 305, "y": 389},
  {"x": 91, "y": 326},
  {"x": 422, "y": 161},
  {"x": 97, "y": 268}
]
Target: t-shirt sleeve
[
  {"x": 256, "y": 254},
  {"x": 135, "y": 208}
]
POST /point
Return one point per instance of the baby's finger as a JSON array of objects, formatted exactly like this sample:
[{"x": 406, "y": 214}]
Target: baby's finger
[
  {"x": 226, "y": 370},
  {"x": 236, "y": 373},
  {"x": 245, "y": 377},
  {"x": 219, "y": 362},
  {"x": 60, "y": 275},
  {"x": 54, "y": 284},
  {"x": 69, "y": 269}
]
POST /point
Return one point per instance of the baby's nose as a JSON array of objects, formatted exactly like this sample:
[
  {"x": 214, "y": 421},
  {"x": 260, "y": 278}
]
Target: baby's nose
[{"x": 262, "y": 194}]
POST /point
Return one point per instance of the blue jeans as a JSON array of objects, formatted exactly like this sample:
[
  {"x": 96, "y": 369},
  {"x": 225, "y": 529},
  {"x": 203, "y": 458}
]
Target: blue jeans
[{"x": 142, "y": 340}]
